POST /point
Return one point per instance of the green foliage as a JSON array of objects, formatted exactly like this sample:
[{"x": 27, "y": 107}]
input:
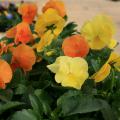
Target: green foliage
[{"x": 34, "y": 95}]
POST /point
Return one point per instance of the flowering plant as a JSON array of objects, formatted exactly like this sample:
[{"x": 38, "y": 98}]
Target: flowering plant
[{"x": 49, "y": 70}]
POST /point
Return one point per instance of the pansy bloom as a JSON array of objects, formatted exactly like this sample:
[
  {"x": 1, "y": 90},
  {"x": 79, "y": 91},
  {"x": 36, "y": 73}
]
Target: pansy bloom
[
  {"x": 103, "y": 73},
  {"x": 21, "y": 33},
  {"x": 46, "y": 39},
  {"x": 50, "y": 20},
  {"x": 57, "y": 5},
  {"x": 5, "y": 73},
  {"x": 4, "y": 47},
  {"x": 99, "y": 32},
  {"x": 70, "y": 72},
  {"x": 28, "y": 12},
  {"x": 75, "y": 46},
  {"x": 23, "y": 57}
]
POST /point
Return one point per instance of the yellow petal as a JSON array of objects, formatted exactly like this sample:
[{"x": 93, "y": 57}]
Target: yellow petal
[
  {"x": 102, "y": 73},
  {"x": 72, "y": 81},
  {"x": 59, "y": 27},
  {"x": 46, "y": 40},
  {"x": 59, "y": 77},
  {"x": 117, "y": 66},
  {"x": 112, "y": 44},
  {"x": 114, "y": 57},
  {"x": 78, "y": 66}
]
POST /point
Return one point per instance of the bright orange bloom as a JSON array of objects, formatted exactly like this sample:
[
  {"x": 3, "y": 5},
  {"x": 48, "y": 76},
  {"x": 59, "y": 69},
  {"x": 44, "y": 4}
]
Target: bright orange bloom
[
  {"x": 4, "y": 47},
  {"x": 11, "y": 32},
  {"x": 28, "y": 12},
  {"x": 75, "y": 46},
  {"x": 21, "y": 33},
  {"x": 23, "y": 57},
  {"x": 24, "y": 34},
  {"x": 57, "y": 5},
  {"x": 5, "y": 73}
]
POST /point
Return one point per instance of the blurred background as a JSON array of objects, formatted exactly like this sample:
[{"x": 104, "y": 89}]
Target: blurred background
[{"x": 82, "y": 10}]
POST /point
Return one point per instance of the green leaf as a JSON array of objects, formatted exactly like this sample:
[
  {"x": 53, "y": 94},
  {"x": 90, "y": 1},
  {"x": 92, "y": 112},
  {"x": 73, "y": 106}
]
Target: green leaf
[
  {"x": 74, "y": 102},
  {"x": 69, "y": 30},
  {"x": 18, "y": 78},
  {"x": 25, "y": 115},
  {"x": 45, "y": 100},
  {"x": 9, "y": 105},
  {"x": 7, "y": 57},
  {"x": 107, "y": 112},
  {"x": 36, "y": 105},
  {"x": 21, "y": 89},
  {"x": 6, "y": 95}
]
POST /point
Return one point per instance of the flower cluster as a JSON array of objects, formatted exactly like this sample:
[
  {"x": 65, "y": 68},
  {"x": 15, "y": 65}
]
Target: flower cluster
[{"x": 30, "y": 42}]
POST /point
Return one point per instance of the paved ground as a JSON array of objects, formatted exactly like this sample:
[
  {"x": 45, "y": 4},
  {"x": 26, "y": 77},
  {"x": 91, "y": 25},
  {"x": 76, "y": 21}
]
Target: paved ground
[{"x": 82, "y": 10}]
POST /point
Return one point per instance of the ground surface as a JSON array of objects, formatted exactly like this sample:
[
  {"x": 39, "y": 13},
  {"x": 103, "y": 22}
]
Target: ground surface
[{"x": 82, "y": 10}]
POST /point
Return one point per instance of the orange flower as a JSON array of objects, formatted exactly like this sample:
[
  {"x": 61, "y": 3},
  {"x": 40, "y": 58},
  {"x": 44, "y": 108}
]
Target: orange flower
[
  {"x": 5, "y": 73},
  {"x": 11, "y": 32},
  {"x": 28, "y": 12},
  {"x": 23, "y": 57},
  {"x": 57, "y": 5},
  {"x": 75, "y": 46},
  {"x": 23, "y": 34},
  {"x": 4, "y": 47}
]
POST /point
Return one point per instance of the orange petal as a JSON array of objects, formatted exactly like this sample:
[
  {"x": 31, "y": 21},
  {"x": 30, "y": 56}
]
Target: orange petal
[
  {"x": 55, "y": 4},
  {"x": 5, "y": 73},
  {"x": 11, "y": 32},
  {"x": 75, "y": 46},
  {"x": 28, "y": 12},
  {"x": 24, "y": 56},
  {"x": 24, "y": 34},
  {"x": 2, "y": 84}
]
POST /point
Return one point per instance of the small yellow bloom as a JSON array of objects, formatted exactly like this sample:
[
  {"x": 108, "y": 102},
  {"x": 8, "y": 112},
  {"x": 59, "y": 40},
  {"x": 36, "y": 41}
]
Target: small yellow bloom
[
  {"x": 50, "y": 20},
  {"x": 106, "y": 68},
  {"x": 102, "y": 73},
  {"x": 70, "y": 72},
  {"x": 46, "y": 40},
  {"x": 99, "y": 32}
]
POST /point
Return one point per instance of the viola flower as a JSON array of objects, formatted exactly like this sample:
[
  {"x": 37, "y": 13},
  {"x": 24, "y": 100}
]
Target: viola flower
[
  {"x": 46, "y": 40},
  {"x": 28, "y": 12},
  {"x": 24, "y": 34},
  {"x": 5, "y": 74},
  {"x": 70, "y": 72},
  {"x": 49, "y": 21},
  {"x": 106, "y": 68},
  {"x": 11, "y": 32},
  {"x": 57, "y": 5},
  {"x": 23, "y": 57},
  {"x": 4, "y": 47},
  {"x": 21, "y": 33},
  {"x": 75, "y": 46},
  {"x": 99, "y": 32}
]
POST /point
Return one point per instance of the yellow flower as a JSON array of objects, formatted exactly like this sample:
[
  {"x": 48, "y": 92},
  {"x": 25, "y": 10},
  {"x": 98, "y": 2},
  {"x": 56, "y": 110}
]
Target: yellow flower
[
  {"x": 50, "y": 20},
  {"x": 70, "y": 72},
  {"x": 99, "y": 32},
  {"x": 46, "y": 39},
  {"x": 106, "y": 68}
]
